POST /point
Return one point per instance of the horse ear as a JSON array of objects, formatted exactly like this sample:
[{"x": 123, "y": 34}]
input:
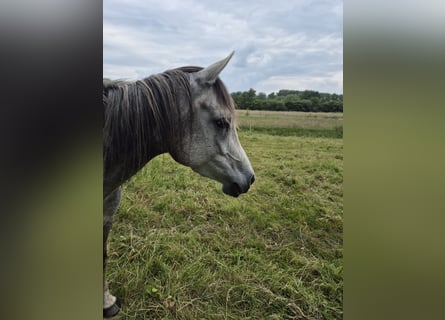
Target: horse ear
[{"x": 210, "y": 74}]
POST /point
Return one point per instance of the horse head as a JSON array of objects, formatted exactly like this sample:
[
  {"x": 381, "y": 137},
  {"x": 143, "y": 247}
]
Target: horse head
[{"x": 210, "y": 144}]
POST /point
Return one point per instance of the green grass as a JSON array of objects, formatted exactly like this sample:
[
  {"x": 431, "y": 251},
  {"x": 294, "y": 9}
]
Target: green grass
[
  {"x": 181, "y": 249},
  {"x": 327, "y": 125}
]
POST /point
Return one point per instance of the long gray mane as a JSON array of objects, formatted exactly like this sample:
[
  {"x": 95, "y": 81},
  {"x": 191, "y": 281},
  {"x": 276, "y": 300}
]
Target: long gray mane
[{"x": 138, "y": 115}]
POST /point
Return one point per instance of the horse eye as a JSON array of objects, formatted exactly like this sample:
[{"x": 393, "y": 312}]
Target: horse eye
[{"x": 222, "y": 123}]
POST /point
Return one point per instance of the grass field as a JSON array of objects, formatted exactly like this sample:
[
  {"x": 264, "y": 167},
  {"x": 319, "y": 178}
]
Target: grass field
[
  {"x": 329, "y": 125},
  {"x": 181, "y": 249}
]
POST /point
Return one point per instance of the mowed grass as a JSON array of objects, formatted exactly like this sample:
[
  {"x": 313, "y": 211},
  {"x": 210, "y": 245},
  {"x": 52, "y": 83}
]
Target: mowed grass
[
  {"x": 308, "y": 124},
  {"x": 181, "y": 249}
]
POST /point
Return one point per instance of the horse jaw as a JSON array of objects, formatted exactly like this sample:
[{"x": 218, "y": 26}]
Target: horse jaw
[{"x": 229, "y": 167}]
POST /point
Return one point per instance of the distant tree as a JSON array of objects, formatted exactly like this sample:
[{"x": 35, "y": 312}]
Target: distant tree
[
  {"x": 250, "y": 101},
  {"x": 246, "y": 99},
  {"x": 306, "y": 105},
  {"x": 280, "y": 106},
  {"x": 283, "y": 93},
  {"x": 237, "y": 98},
  {"x": 289, "y": 100},
  {"x": 261, "y": 96},
  {"x": 308, "y": 94}
]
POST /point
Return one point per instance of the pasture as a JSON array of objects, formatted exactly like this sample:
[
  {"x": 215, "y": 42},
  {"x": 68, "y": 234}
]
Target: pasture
[
  {"x": 181, "y": 249},
  {"x": 308, "y": 124}
]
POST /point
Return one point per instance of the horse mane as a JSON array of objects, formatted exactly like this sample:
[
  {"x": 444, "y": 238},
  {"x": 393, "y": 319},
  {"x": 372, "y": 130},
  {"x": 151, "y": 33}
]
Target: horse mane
[{"x": 139, "y": 114}]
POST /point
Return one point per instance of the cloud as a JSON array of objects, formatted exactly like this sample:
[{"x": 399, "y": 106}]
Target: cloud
[{"x": 299, "y": 42}]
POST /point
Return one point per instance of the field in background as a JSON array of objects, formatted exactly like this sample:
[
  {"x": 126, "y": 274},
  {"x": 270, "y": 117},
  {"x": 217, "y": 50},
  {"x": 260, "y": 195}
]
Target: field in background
[
  {"x": 308, "y": 124},
  {"x": 181, "y": 249}
]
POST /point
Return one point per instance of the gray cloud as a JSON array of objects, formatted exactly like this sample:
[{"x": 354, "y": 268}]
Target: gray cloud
[{"x": 279, "y": 44}]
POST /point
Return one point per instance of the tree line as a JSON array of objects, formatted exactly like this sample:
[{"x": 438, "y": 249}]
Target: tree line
[{"x": 289, "y": 100}]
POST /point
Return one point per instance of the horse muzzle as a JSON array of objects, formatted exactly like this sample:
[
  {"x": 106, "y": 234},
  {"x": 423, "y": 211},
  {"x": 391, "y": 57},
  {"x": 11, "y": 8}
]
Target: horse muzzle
[{"x": 234, "y": 189}]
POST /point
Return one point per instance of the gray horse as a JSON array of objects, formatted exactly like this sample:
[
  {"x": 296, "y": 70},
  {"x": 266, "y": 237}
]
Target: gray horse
[{"x": 186, "y": 112}]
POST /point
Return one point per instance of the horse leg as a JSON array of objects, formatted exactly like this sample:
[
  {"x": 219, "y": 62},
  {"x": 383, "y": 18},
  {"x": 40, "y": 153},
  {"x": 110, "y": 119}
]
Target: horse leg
[{"x": 111, "y": 204}]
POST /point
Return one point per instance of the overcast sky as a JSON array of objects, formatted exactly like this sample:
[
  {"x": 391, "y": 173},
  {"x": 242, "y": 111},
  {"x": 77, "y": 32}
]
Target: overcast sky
[{"x": 279, "y": 44}]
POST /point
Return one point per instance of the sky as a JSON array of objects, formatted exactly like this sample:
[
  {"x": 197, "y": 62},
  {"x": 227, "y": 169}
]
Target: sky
[{"x": 278, "y": 44}]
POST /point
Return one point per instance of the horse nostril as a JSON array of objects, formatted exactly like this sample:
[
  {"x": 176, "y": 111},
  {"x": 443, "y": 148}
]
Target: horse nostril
[{"x": 252, "y": 179}]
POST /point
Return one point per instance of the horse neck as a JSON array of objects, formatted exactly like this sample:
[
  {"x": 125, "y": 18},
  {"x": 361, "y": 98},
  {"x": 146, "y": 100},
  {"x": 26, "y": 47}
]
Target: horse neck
[{"x": 143, "y": 120}]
